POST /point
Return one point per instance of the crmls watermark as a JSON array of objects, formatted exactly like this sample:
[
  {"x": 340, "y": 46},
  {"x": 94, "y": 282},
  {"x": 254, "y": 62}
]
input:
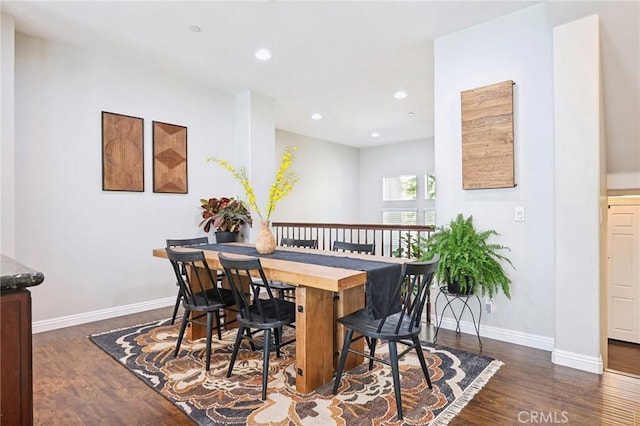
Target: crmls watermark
[{"x": 543, "y": 417}]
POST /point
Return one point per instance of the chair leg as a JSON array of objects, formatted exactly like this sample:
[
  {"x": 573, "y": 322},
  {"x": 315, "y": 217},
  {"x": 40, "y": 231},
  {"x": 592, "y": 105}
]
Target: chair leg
[
  {"x": 393, "y": 355},
  {"x": 210, "y": 316},
  {"x": 236, "y": 346},
  {"x": 277, "y": 336},
  {"x": 176, "y": 307},
  {"x": 265, "y": 362},
  {"x": 372, "y": 351},
  {"x": 218, "y": 326},
  {"x": 423, "y": 363},
  {"x": 250, "y": 338},
  {"x": 183, "y": 327},
  {"x": 343, "y": 358}
]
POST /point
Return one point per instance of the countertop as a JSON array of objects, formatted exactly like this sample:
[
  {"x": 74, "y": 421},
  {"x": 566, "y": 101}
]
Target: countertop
[{"x": 15, "y": 275}]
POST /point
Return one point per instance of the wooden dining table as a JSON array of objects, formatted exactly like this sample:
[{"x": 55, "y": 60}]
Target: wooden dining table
[{"x": 323, "y": 294}]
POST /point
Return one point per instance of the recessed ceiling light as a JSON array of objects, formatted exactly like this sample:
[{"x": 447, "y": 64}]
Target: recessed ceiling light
[
  {"x": 375, "y": 135},
  {"x": 263, "y": 54},
  {"x": 316, "y": 116},
  {"x": 411, "y": 113},
  {"x": 400, "y": 94},
  {"x": 194, "y": 28}
]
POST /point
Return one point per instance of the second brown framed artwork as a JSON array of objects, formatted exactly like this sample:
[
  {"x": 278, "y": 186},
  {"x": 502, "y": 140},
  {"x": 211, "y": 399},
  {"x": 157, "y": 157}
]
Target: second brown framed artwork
[{"x": 169, "y": 158}]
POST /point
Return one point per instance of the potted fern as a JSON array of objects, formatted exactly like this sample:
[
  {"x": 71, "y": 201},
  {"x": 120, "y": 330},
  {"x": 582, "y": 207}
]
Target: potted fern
[{"x": 469, "y": 264}]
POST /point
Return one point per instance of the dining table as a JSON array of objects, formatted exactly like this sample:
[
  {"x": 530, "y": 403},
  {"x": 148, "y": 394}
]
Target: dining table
[{"x": 329, "y": 285}]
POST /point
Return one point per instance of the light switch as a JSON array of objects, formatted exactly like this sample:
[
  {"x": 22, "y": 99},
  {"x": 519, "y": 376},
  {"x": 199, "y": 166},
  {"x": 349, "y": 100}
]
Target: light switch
[{"x": 519, "y": 214}]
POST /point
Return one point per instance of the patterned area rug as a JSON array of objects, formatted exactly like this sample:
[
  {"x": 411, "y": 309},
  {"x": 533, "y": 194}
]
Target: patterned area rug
[{"x": 364, "y": 398}]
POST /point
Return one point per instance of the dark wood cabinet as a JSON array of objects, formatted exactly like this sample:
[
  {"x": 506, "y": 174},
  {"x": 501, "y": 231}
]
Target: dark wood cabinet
[{"x": 16, "y": 386}]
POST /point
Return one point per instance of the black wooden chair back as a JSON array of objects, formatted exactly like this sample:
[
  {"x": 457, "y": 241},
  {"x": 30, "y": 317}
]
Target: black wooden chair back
[
  {"x": 184, "y": 242},
  {"x": 354, "y": 247},
  {"x": 255, "y": 310},
  {"x": 267, "y": 313},
  {"x": 198, "y": 289},
  {"x": 200, "y": 293},
  {"x": 413, "y": 290},
  {"x": 287, "y": 291},
  {"x": 395, "y": 327},
  {"x": 293, "y": 242}
]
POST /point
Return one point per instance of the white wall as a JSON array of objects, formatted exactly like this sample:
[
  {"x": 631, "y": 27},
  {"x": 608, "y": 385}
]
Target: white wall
[
  {"x": 407, "y": 158},
  {"x": 515, "y": 47},
  {"x": 95, "y": 246},
  {"x": 7, "y": 128},
  {"x": 328, "y": 188},
  {"x": 580, "y": 188}
]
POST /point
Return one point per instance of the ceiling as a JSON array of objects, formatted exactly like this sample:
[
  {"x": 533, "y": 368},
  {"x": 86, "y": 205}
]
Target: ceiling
[{"x": 344, "y": 60}]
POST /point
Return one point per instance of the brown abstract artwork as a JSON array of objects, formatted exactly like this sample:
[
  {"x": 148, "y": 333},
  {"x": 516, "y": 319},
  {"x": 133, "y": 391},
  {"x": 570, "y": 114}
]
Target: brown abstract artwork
[
  {"x": 122, "y": 153},
  {"x": 169, "y": 158},
  {"x": 487, "y": 137}
]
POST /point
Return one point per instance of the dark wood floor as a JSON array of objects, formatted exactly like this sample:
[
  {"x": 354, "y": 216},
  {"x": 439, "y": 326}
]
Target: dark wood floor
[
  {"x": 75, "y": 383},
  {"x": 624, "y": 357}
]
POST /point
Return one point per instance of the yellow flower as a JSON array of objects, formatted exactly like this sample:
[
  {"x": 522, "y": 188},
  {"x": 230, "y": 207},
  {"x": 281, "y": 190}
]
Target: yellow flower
[{"x": 281, "y": 187}]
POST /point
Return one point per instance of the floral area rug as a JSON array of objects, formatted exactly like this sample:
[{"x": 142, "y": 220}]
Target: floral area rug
[{"x": 364, "y": 398}]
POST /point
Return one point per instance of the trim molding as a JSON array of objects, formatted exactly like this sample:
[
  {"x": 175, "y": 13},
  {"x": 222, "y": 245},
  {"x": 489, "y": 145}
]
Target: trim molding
[
  {"x": 591, "y": 364},
  {"x": 77, "y": 319},
  {"x": 560, "y": 357},
  {"x": 578, "y": 361},
  {"x": 497, "y": 333}
]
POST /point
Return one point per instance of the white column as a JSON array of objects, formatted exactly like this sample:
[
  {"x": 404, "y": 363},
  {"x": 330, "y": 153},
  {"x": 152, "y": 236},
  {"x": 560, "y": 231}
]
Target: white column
[
  {"x": 579, "y": 188},
  {"x": 256, "y": 146}
]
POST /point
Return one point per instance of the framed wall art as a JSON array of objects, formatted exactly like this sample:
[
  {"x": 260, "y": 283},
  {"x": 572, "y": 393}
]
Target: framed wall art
[
  {"x": 122, "y": 152},
  {"x": 487, "y": 137},
  {"x": 169, "y": 158}
]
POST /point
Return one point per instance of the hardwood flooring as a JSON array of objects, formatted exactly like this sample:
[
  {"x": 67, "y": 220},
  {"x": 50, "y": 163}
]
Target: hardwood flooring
[
  {"x": 75, "y": 383},
  {"x": 624, "y": 357}
]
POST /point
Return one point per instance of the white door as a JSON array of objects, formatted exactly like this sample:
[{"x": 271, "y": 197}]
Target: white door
[{"x": 624, "y": 272}]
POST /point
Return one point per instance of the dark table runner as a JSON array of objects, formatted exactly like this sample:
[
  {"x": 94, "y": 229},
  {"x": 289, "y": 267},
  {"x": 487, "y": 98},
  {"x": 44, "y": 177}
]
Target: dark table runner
[{"x": 382, "y": 278}]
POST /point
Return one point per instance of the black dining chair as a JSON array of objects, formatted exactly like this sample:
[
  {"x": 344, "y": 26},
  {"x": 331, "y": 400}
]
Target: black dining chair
[
  {"x": 287, "y": 291},
  {"x": 394, "y": 327},
  {"x": 257, "y": 313},
  {"x": 200, "y": 294},
  {"x": 353, "y": 247},
  {"x": 294, "y": 242},
  {"x": 184, "y": 242}
]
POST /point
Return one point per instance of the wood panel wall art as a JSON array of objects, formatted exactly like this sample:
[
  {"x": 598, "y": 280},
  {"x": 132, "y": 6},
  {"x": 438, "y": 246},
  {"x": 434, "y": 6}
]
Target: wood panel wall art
[
  {"x": 169, "y": 158},
  {"x": 122, "y": 152},
  {"x": 487, "y": 137}
]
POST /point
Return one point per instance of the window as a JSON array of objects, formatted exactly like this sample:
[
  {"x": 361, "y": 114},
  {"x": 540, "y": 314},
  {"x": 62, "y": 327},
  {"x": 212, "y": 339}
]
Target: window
[
  {"x": 430, "y": 217},
  {"x": 399, "y": 217},
  {"x": 397, "y": 188},
  {"x": 430, "y": 186}
]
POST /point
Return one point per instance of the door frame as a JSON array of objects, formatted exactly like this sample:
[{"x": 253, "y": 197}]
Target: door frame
[{"x": 625, "y": 198}]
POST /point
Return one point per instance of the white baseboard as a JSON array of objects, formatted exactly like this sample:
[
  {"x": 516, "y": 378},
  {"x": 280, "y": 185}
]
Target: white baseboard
[
  {"x": 591, "y": 364},
  {"x": 71, "y": 320},
  {"x": 568, "y": 359},
  {"x": 497, "y": 333},
  {"x": 560, "y": 357}
]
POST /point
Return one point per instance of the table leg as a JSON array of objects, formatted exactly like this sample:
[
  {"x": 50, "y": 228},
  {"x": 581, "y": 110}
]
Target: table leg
[
  {"x": 314, "y": 338},
  {"x": 347, "y": 301}
]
